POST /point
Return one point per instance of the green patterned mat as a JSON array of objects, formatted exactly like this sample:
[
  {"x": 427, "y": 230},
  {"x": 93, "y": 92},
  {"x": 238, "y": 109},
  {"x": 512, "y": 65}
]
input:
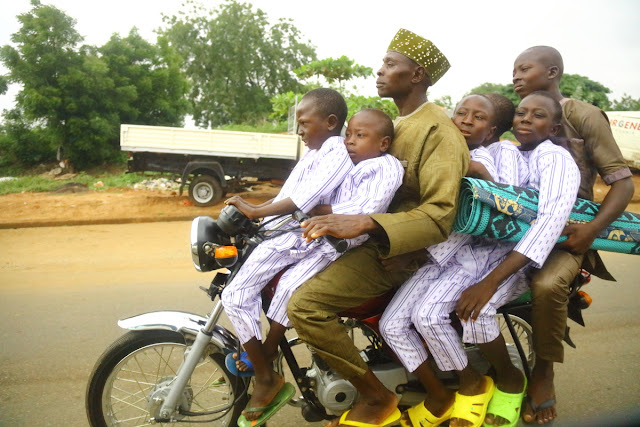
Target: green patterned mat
[{"x": 505, "y": 212}]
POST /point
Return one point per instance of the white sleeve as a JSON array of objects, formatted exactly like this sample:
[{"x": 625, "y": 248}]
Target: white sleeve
[
  {"x": 482, "y": 155},
  {"x": 333, "y": 166},
  {"x": 512, "y": 167},
  {"x": 376, "y": 184},
  {"x": 559, "y": 182}
]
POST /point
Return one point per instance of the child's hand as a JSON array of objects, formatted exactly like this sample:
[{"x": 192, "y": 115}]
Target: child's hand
[
  {"x": 401, "y": 262},
  {"x": 473, "y": 299},
  {"x": 478, "y": 170},
  {"x": 243, "y": 206},
  {"x": 580, "y": 237}
]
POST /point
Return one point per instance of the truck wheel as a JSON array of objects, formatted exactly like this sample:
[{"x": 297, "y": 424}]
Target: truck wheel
[{"x": 205, "y": 190}]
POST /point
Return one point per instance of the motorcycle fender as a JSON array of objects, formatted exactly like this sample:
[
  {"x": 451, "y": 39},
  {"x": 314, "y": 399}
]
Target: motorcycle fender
[{"x": 187, "y": 324}]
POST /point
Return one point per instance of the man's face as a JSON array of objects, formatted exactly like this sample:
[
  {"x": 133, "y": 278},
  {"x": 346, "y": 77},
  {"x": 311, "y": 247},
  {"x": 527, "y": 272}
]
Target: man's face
[
  {"x": 394, "y": 77},
  {"x": 530, "y": 74},
  {"x": 312, "y": 127}
]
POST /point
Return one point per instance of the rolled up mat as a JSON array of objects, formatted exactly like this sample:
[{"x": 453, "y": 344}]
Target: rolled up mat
[{"x": 505, "y": 212}]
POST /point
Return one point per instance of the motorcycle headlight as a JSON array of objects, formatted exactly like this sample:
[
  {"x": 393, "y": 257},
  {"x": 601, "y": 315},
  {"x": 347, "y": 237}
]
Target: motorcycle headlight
[{"x": 204, "y": 232}]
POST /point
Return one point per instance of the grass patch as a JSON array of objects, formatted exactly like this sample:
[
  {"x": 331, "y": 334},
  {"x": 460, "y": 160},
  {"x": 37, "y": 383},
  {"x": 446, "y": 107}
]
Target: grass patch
[{"x": 43, "y": 183}]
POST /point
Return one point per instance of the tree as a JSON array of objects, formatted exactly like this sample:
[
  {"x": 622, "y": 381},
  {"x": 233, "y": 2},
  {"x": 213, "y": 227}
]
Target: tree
[
  {"x": 582, "y": 88},
  {"x": 80, "y": 95},
  {"x": 235, "y": 60},
  {"x": 445, "y": 102},
  {"x": 334, "y": 71},
  {"x": 502, "y": 89},
  {"x": 626, "y": 103},
  {"x": 151, "y": 73}
]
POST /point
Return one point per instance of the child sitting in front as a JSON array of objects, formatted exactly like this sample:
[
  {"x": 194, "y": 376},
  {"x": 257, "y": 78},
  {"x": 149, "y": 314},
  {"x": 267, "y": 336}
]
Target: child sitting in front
[
  {"x": 367, "y": 188},
  {"x": 434, "y": 291}
]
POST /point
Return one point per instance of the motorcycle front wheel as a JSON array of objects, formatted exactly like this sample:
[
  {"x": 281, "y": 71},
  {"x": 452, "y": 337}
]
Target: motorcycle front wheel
[{"x": 130, "y": 379}]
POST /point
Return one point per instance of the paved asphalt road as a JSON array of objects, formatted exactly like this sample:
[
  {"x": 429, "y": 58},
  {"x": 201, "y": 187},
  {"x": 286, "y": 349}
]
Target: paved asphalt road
[{"x": 62, "y": 290}]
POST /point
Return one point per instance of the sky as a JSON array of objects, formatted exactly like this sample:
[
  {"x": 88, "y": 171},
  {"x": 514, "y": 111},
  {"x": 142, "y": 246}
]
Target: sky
[{"x": 481, "y": 39}]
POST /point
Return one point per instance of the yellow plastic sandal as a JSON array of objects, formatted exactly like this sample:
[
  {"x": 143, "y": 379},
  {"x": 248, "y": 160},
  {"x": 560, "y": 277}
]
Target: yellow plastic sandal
[
  {"x": 474, "y": 408},
  {"x": 422, "y": 417},
  {"x": 395, "y": 416}
]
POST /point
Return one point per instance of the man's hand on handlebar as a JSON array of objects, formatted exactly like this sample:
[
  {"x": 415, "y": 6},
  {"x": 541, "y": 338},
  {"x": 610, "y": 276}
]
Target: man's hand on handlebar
[{"x": 341, "y": 226}]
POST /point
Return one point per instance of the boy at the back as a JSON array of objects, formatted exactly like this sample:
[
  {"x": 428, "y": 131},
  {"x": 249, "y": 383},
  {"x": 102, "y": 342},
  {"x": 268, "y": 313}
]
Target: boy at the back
[
  {"x": 588, "y": 137},
  {"x": 367, "y": 188}
]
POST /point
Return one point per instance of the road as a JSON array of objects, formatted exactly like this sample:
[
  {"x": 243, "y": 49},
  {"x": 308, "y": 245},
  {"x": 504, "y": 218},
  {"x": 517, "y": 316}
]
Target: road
[{"x": 63, "y": 288}]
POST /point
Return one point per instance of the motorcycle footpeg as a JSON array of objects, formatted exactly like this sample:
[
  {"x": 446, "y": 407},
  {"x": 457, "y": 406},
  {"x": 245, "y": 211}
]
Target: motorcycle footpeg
[{"x": 313, "y": 414}]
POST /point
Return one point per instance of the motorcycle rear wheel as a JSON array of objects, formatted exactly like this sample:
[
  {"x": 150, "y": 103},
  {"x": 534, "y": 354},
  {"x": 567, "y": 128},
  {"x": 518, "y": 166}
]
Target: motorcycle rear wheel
[{"x": 134, "y": 368}]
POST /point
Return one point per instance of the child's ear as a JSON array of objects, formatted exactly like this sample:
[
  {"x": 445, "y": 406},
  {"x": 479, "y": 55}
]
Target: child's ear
[
  {"x": 553, "y": 71},
  {"x": 491, "y": 133},
  {"x": 385, "y": 143},
  {"x": 332, "y": 122},
  {"x": 555, "y": 129}
]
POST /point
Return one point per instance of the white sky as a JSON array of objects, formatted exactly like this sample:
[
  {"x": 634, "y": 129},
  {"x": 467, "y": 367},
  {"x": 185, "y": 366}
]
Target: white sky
[{"x": 600, "y": 40}]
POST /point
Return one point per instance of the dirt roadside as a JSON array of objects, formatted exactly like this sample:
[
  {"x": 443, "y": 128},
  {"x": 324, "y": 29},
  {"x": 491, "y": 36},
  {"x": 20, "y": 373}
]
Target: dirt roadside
[
  {"x": 114, "y": 206},
  {"x": 126, "y": 205}
]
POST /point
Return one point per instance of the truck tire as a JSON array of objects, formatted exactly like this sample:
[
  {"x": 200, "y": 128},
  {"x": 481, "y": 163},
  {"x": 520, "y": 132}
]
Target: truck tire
[{"x": 205, "y": 190}]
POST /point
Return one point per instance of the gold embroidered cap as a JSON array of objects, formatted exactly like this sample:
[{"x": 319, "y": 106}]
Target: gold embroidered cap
[{"x": 422, "y": 51}]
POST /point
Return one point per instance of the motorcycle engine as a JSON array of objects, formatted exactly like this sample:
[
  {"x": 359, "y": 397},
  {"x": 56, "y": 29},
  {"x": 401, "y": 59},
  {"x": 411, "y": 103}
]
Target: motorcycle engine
[{"x": 336, "y": 394}]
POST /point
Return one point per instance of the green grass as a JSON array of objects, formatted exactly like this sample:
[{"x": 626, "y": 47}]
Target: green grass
[{"x": 42, "y": 183}]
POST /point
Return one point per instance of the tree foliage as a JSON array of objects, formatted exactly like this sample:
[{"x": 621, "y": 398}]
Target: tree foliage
[
  {"x": 334, "y": 71},
  {"x": 235, "y": 60},
  {"x": 79, "y": 95},
  {"x": 502, "y": 89},
  {"x": 580, "y": 87},
  {"x": 626, "y": 103}
]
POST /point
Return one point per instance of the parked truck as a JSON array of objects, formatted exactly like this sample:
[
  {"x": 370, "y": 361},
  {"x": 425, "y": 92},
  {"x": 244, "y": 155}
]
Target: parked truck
[{"x": 208, "y": 160}]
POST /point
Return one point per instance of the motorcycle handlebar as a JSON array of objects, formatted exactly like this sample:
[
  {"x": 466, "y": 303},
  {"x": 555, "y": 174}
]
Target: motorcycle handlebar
[{"x": 338, "y": 244}]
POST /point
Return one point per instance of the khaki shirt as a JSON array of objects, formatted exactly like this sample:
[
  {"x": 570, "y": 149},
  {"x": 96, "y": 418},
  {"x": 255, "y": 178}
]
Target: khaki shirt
[
  {"x": 592, "y": 145},
  {"x": 436, "y": 157}
]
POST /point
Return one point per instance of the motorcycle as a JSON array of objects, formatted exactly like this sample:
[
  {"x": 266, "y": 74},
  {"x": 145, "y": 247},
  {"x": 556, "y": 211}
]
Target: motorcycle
[{"x": 170, "y": 366}]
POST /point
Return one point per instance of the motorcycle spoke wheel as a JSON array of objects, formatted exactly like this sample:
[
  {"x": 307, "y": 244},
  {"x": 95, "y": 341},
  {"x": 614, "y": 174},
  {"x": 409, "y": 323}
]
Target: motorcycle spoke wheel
[
  {"x": 133, "y": 371},
  {"x": 524, "y": 333}
]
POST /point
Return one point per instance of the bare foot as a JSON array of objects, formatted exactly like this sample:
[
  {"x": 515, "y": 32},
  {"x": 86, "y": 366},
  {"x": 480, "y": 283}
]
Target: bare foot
[
  {"x": 242, "y": 367},
  {"x": 370, "y": 412},
  {"x": 264, "y": 390},
  {"x": 539, "y": 392}
]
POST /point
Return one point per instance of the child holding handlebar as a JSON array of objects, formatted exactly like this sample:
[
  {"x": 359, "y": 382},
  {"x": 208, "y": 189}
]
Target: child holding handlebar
[{"x": 367, "y": 186}]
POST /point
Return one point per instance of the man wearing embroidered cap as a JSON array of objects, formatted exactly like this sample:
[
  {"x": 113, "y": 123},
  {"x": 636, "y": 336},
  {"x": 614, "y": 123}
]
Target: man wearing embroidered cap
[{"x": 436, "y": 158}]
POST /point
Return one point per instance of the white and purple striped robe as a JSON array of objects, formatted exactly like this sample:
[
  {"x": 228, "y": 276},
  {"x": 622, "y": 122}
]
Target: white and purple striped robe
[{"x": 368, "y": 188}]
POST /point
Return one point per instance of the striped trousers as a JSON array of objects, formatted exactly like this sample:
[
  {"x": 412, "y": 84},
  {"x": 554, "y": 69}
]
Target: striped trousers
[
  {"x": 421, "y": 308},
  {"x": 241, "y": 298}
]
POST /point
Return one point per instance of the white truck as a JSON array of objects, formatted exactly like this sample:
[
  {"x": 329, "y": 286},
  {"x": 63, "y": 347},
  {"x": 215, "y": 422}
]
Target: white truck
[
  {"x": 208, "y": 159},
  {"x": 625, "y": 126}
]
